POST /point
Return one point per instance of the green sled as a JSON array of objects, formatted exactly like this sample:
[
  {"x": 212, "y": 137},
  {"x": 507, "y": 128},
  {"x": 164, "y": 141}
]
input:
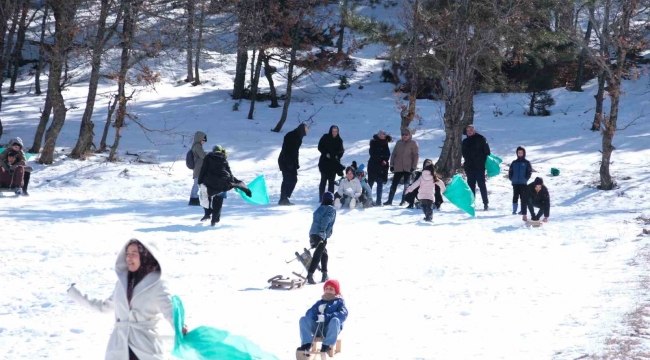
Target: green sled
[
  {"x": 492, "y": 165},
  {"x": 258, "y": 188},
  {"x": 208, "y": 343},
  {"x": 27, "y": 155},
  {"x": 459, "y": 194}
]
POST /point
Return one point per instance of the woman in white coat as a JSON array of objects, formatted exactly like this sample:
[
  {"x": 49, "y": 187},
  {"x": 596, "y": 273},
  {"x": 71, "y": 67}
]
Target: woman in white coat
[{"x": 139, "y": 298}]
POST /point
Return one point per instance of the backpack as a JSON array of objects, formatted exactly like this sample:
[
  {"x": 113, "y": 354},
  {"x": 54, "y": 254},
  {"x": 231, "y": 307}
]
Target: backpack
[{"x": 189, "y": 160}]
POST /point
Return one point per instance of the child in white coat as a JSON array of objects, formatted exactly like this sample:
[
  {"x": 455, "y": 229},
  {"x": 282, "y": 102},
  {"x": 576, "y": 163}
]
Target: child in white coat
[
  {"x": 349, "y": 190},
  {"x": 427, "y": 192}
]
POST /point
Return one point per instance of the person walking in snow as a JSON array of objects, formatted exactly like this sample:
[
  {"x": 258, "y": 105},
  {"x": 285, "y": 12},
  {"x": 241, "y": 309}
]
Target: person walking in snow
[
  {"x": 16, "y": 144},
  {"x": 427, "y": 183},
  {"x": 325, "y": 318},
  {"x": 331, "y": 151},
  {"x": 413, "y": 195},
  {"x": 289, "y": 162},
  {"x": 321, "y": 230},
  {"x": 349, "y": 190},
  {"x": 140, "y": 296},
  {"x": 538, "y": 197},
  {"x": 198, "y": 154},
  {"x": 519, "y": 173},
  {"x": 218, "y": 179},
  {"x": 378, "y": 163},
  {"x": 403, "y": 162},
  {"x": 475, "y": 151}
]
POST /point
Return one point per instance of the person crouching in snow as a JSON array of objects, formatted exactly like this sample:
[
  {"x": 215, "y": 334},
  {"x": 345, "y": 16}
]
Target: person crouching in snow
[
  {"x": 427, "y": 190},
  {"x": 538, "y": 197},
  {"x": 11, "y": 173},
  {"x": 321, "y": 230},
  {"x": 217, "y": 177},
  {"x": 325, "y": 318},
  {"x": 349, "y": 190},
  {"x": 366, "y": 192},
  {"x": 140, "y": 296}
]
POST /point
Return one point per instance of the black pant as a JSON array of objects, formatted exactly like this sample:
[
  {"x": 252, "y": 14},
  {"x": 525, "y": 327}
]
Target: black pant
[
  {"x": 427, "y": 208},
  {"x": 289, "y": 181},
  {"x": 531, "y": 208},
  {"x": 216, "y": 202},
  {"x": 393, "y": 186},
  {"x": 380, "y": 187},
  {"x": 320, "y": 254},
  {"x": 325, "y": 179},
  {"x": 519, "y": 192},
  {"x": 26, "y": 180},
  {"x": 477, "y": 177}
]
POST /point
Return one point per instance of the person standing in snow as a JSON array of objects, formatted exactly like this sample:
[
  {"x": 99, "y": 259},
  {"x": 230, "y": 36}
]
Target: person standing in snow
[
  {"x": 140, "y": 296},
  {"x": 475, "y": 152},
  {"x": 403, "y": 162},
  {"x": 321, "y": 229},
  {"x": 378, "y": 162},
  {"x": 331, "y": 151},
  {"x": 427, "y": 183},
  {"x": 519, "y": 173},
  {"x": 289, "y": 162},
  {"x": 16, "y": 144},
  {"x": 199, "y": 154},
  {"x": 218, "y": 179},
  {"x": 538, "y": 197},
  {"x": 325, "y": 317},
  {"x": 349, "y": 190}
]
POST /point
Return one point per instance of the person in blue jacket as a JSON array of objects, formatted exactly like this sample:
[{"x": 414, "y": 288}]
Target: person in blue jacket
[
  {"x": 321, "y": 230},
  {"x": 519, "y": 174},
  {"x": 324, "y": 319}
]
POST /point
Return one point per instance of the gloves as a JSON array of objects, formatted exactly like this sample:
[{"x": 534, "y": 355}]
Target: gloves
[
  {"x": 321, "y": 308},
  {"x": 412, "y": 170},
  {"x": 321, "y": 318},
  {"x": 392, "y": 169},
  {"x": 314, "y": 242},
  {"x": 384, "y": 163},
  {"x": 327, "y": 156},
  {"x": 248, "y": 192}
]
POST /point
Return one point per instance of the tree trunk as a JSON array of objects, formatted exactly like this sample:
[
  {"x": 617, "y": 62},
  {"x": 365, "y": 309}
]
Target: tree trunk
[
  {"x": 531, "y": 105},
  {"x": 583, "y": 54},
  {"x": 253, "y": 62},
  {"x": 41, "y": 51},
  {"x": 109, "y": 118},
  {"x": 42, "y": 125},
  {"x": 86, "y": 131},
  {"x": 255, "y": 82},
  {"x": 18, "y": 49},
  {"x": 190, "y": 36},
  {"x": 199, "y": 46},
  {"x": 451, "y": 153},
  {"x": 344, "y": 14},
  {"x": 600, "y": 98},
  {"x": 4, "y": 55},
  {"x": 287, "y": 102},
  {"x": 268, "y": 72},
  {"x": 240, "y": 70},
  {"x": 64, "y": 12}
]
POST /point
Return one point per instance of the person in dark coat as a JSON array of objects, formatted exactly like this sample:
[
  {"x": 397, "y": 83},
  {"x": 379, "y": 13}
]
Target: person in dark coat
[
  {"x": 331, "y": 151},
  {"x": 519, "y": 173},
  {"x": 378, "y": 162},
  {"x": 538, "y": 197},
  {"x": 16, "y": 145},
  {"x": 475, "y": 152},
  {"x": 218, "y": 179},
  {"x": 289, "y": 162}
]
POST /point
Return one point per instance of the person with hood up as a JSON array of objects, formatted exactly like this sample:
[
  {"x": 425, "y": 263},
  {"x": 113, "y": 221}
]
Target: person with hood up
[
  {"x": 140, "y": 296},
  {"x": 199, "y": 154},
  {"x": 349, "y": 190},
  {"x": 325, "y": 318},
  {"x": 475, "y": 151},
  {"x": 321, "y": 230},
  {"x": 366, "y": 193},
  {"x": 427, "y": 183},
  {"x": 519, "y": 173},
  {"x": 16, "y": 145},
  {"x": 413, "y": 195},
  {"x": 331, "y": 151},
  {"x": 378, "y": 162},
  {"x": 289, "y": 162},
  {"x": 11, "y": 175},
  {"x": 218, "y": 179},
  {"x": 538, "y": 197},
  {"x": 403, "y": 162}
]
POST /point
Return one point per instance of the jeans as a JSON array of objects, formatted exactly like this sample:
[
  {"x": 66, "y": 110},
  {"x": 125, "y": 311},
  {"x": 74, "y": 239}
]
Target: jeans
[
  {"x": 380, "y": 188},
  {"x": 474, "y": 178},
  {"x": 308, "y": 328},
  {"x": 195, "y": 189},
  {"x": 289, "y": 181}
]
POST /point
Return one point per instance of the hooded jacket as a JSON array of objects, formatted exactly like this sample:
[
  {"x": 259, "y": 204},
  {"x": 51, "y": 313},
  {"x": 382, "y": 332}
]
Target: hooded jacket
[
  {"x": 198, "y": 153},
  {"x": 520, "y": 170},
  {"x": 379, "y": 154},
  {"x": 135, "y": 321},
  {"x": 20, "y": 157},
  {"x": 427, "y": 185},
  {"x": 541, "y": 199},
  {"x": 333, "y": 309},
  {"x": 346, "y": 185},
  {"x": 323, "y": 221},
  {"x": 406, "y": 155},
  {"x": 331, "y": 151},
  {"x": 475, "y": 152},
  {"x": 289, "y": 155},
  {"x": 216, "y": 175}
]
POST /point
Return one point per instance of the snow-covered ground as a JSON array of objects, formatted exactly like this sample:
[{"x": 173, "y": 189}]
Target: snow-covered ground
[{"x": 458, "y": 288}]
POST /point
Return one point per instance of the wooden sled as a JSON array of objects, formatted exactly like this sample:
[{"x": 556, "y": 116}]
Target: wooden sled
[
  {"x": 315, "y": 354},
  {"x": 280, "y": 282},
  {"x": 534, "y": 223},
  {"x": 310, "y": 355},
  {"x": 305, "y": 259}
]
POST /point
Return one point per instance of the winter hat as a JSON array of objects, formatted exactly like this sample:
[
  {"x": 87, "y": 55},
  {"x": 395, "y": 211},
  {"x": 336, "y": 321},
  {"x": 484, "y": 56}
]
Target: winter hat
[
  {"x": 354, "y": 166},
  {"x": 361, "y": 169},
  {"x": 522, "y": 149},
  {"x": 16, "y": 141},
  {"x": 328, "y": 196},
  {"x": 538, "y": 181},
  {"x": 335, "y": 284},
  {"x": 219, "y": 148}
]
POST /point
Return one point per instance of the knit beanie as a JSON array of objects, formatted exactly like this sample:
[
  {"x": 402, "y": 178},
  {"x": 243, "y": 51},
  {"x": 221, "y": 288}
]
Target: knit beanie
[
  {"x": 219, "y": 148},
  {"x": 538, "y": 181},
  {"x": 335, "y": 284},
  {"x": 328, "y": 197}
]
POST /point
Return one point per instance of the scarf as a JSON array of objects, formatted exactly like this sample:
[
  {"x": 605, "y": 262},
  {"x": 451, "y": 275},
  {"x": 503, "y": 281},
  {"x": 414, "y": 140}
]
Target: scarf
[{"x": 329, "y": 297}]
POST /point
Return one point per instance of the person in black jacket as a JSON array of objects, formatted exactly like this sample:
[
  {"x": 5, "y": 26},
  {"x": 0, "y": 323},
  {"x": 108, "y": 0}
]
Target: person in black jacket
[
  {"x": 475, "y": 152},
  {"x": 217, "y": 177},
  {"x": 289, "y": 162},
  {"x": 519, "y": 173},
  {"x": 538, "y": 197},
  {"x": 378, "y": 162},
  {"x": 329, "y": 164}
]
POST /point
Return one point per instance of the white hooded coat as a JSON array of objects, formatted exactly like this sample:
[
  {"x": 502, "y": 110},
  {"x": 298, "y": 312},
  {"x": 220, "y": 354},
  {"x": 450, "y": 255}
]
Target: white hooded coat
[
  {"x": 135, "y": 323},
  {"x": 350, "y": 187}
]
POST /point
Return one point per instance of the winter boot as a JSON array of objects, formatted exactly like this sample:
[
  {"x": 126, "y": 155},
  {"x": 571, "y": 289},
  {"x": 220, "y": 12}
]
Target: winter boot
[
  {"x": 310, "y": 279},
  {"x": 337, "y": 203},
  {"x": 18, "y": 191},
  {"x": 324, "y": 348},
  {"x": 304, "y": 347},
  {"x": 194, "y": 202},
  {"x": 25, "y": 193},
  {"x": 410, "y": 206},
  {"x": 438, "y": 205},
  {"x": 325, "y": 277},
  {"x": 514, "y": 209},
  {"x": 485, "y": 207},
  {"x": 205, "y": 217},
  {"x": 353, "y": 203}
]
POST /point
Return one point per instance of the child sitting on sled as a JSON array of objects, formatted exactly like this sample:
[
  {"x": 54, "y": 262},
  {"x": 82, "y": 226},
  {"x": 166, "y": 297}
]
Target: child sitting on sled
[
  {"x": 324, "y": 319},
  {"x": 427, "y": 183},
  {"x": 349, "y": 190}
]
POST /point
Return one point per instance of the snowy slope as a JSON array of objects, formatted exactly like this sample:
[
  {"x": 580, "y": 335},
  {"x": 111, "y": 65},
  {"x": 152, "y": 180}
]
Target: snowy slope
[{"x": 460, "y": 288}]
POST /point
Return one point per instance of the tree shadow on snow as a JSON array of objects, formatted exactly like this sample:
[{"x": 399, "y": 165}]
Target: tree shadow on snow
[
  {"x": 188, "y": 228},
  {"x": 506, "y": 228}
]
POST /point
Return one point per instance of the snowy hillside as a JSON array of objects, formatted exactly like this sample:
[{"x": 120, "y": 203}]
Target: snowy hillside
[{"x": 458, "y": 288}]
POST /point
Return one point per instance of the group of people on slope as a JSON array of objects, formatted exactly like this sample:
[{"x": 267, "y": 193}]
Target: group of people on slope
[{"x": 14, "y": 172}]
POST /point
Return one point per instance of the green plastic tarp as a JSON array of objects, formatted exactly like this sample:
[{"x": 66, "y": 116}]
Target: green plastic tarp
[
  {"x": 492, "y": 165},
  {"x": 207, "y": 343},
  {"x": 258, "y": 190},
  {"x": 459, "y": 194},
  {"x": 27, "y": 155}
]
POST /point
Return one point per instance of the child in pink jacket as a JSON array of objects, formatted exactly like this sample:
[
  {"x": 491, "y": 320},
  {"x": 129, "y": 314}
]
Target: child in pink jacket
[{"x": 427, "y": 192}]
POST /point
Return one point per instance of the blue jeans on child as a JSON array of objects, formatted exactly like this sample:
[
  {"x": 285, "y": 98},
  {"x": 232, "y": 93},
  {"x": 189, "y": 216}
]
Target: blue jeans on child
[{"x": 308, "y": 328}]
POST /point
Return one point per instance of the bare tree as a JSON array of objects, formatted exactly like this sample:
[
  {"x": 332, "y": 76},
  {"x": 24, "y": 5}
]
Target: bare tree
[
  {"x": 41, "y": 49},
  {"x": 577, "y": 86},
  {"x": 20, "y": 40},
  {"x": 190, "y": 8},
  {"x": 199, "y": 45},
  {"x": 9, "y": 9},
  {"x": 343, "y": 11}
]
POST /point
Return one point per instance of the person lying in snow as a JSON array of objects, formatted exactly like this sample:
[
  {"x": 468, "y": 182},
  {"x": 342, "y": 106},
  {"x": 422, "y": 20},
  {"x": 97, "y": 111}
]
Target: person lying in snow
[
  {"x": 411, "y": 197},
  {"x": 324, "y": 319},
  {"x": 349, "y": 190},
  {"x": 519, "y": 173},
  {"x": 11, "y": 174},
  {"x": 427, "y": 184},
  {"x": 321, "y": 229},
  {"x": 16, "y": 144},
  {"x": 538, "y": 197},
  {"x": 140, "y": 296}
]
